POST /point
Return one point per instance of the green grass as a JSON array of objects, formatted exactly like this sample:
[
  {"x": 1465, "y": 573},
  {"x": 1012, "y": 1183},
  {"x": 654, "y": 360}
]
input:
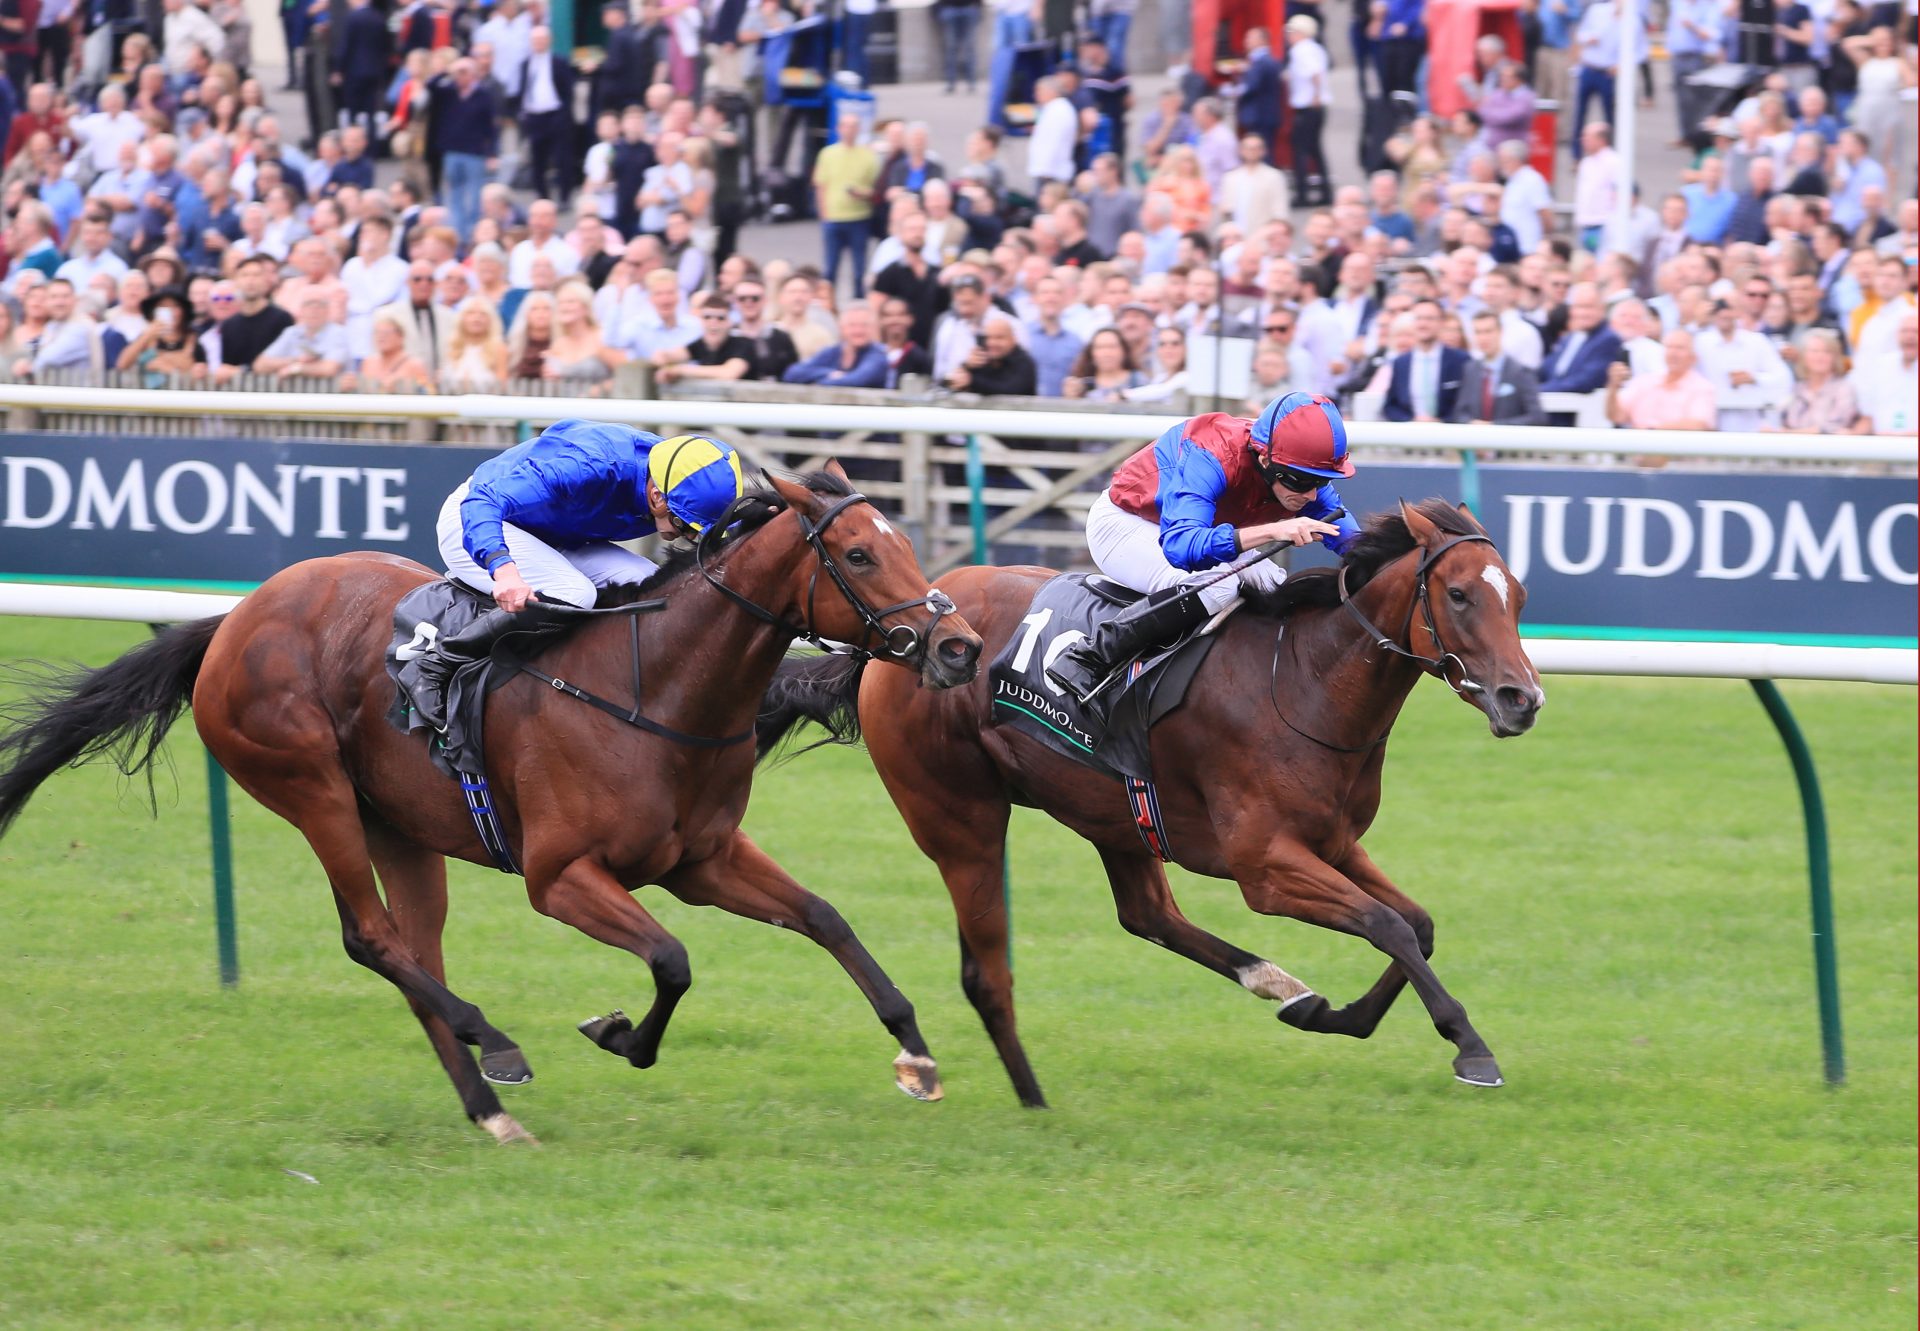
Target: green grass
[{"x": 1621, "y": 904}]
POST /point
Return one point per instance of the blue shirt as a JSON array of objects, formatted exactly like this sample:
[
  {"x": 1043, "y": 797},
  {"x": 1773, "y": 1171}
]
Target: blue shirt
[
  {"x": 1848, "y": 211},
  {"x": 1558, "y": 18},
  {"x": 1682, "y": 40},
  {"x": 1053, "y": 357},
  {"x": 869, "y": 368},
  {"x": 1708, "y": 215},
  {"x": 580, "y": 481}
]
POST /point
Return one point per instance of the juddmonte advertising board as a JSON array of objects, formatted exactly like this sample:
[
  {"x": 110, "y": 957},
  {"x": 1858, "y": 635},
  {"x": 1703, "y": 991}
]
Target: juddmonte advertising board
[{"x": 1643, "y": 553}]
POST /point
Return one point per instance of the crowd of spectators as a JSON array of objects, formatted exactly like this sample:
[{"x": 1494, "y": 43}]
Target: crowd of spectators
[{"x": 472, "y": 207}]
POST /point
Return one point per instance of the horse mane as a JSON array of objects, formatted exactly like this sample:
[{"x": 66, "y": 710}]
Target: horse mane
[
  {"x": 1383, "y": 538},
  {"x": 755, "y": 508}
]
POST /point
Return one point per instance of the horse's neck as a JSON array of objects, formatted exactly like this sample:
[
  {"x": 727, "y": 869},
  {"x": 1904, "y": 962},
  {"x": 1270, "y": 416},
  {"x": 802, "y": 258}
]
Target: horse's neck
[{"x": 1334, "y": 656}]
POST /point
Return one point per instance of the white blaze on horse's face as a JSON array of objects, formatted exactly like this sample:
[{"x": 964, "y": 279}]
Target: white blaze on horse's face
[
  {"x": 1497, "y": 580},
  {"x": 882, "y": 526}
]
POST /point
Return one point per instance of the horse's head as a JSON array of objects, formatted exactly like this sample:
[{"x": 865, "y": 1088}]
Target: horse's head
[
  {"x": 864, "y": 585},
  {"x": 1470, "y": 621}
]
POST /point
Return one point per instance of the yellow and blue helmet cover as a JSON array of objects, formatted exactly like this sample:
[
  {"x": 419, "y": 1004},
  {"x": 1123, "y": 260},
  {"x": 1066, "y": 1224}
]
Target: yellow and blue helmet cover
[{"x": 700, "y": 478}]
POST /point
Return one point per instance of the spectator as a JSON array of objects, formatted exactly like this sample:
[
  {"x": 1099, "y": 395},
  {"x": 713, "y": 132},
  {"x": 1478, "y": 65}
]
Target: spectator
[
  {"x": 126, "y": 315},
  {"x": 1747, "y": 225},
  {"x": 1633, "y": 324},
  {"x": 1876, "y": 335},
  {"x": 1519, "y": 339},
  {"x": 1680, "y": 398},
  {"x": 1181, "y": 183},
  {"x": 1887, "y": 389},
  {"x": 1599, "y": 180},
  {"x": 1578, "y": 362},
  {"x": 1506, "y": 105},
  {"x": 64, "y": 341},
  {"x": 360, "y": 54},
  {"x": 809, "y": 335},
  {"x": 910, "y": 170},
  {"x": 313, "y": 348},
  {"x": 958, "y": 20},
  {"x": 1880, "y": 112},
  {"x": 1526, "y": 200},
  {"x": 845, "y": 178},
  {"x": 718, "y": 353},
  {"x": 578, "y": 351},
  {"x": 373, "y": 277},
  {"x": 425, "y": 323},
  {"x": 1733, "y": 358},
  {"x": 1426, "y": 379},
  {"x": 662, "y": 323},
  {"x": 1112, "y": 208},
  {"x": 1167, "y": 126},
  {"x": 391, "y": 368},
  {"x": 855, "y": 361},
  {"x": 111, "y": 125},
  {"x": 1054, "y": 347},
  {"x": 249, "y": 323},
  {"x": 1597, "y": 41},
  {"x": 92, "y": 253},
  {"x": 1494, "y": 387},
  {"x": 167, "y": 346},
  {"x": 1823, "y": 400},
  {"x": 772, "y": 351},
  {"x": 476, "y": 360},
  {"x": 1710, "y": 203},
  {"x": 1056, "y": 129},
  {"x": 998, "y": 366},
  {"x": 1254, "y": 193},
  {"x": 904, "y": 355},
  {"x": 543, "y": 239},
  {"x": 1168, "y": 379},
  {"x": 463, "y": 136},
  {"x": 1105, "y": 370},
  {"x": 958, "y": 332},
  {"x": 546, "y": 113}
]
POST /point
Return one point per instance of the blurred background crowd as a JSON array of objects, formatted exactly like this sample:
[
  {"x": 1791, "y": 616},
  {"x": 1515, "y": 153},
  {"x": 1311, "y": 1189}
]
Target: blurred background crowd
[{"x": 1421, "y": 207}]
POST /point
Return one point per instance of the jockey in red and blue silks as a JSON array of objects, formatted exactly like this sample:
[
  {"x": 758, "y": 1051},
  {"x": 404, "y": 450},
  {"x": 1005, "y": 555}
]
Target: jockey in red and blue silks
[{"x": 1189, "y": 505}]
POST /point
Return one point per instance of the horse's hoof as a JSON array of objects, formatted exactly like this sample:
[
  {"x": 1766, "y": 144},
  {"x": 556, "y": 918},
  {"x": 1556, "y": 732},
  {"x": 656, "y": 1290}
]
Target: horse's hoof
[
  {"x": 1304, "y": 1012},
  {"x": 505, "y": 1131},
  {"x": 1479, "y": 1070},
  {"x": 917, "y": 1075},
  {"x": 507, "y": 1067},
  {"x": 602, "y": 1030}
]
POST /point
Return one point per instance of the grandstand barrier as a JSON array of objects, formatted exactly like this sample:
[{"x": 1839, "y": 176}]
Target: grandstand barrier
[{"x": 1008, "y": 480}]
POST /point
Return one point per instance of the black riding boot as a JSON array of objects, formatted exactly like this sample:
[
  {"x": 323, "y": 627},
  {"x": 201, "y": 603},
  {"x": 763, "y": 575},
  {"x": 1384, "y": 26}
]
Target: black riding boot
[
  {"x": 437, "y": 668},
  {"x": 1083, "y": 668}
]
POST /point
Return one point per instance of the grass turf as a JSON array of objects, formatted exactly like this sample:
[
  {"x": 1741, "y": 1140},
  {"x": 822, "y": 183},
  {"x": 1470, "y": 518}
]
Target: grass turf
[{"x": 1621, "y": 904}]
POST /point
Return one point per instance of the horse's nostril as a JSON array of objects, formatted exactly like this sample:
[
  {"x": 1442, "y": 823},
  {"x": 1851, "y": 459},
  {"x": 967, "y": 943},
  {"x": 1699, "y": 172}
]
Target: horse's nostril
[
  {"x": 1518, "y": 699},
  {"x": 960, "y": 651}
]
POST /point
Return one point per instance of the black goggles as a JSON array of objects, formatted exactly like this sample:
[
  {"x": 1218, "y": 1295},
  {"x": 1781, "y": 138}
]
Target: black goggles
[{"x": 1299, "y": 482}]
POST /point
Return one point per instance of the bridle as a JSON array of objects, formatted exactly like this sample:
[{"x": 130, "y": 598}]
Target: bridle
[
  {"x": 905, "y": 643},
  {"x": 1432, "y": 665}
]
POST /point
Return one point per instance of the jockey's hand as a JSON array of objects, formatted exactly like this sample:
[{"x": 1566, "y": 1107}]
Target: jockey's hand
[
  {"x": 1294, "y": 531},
  {"x": 510, "y": 590}
]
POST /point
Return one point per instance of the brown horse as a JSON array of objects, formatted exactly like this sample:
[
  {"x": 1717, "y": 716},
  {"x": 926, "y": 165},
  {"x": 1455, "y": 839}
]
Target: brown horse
[
  {"x": 289, "y": 692},
  {"x": 1269, "y": 773}
]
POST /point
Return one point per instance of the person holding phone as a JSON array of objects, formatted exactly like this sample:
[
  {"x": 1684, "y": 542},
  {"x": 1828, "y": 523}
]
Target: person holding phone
[{"x": 168, "y": 346}]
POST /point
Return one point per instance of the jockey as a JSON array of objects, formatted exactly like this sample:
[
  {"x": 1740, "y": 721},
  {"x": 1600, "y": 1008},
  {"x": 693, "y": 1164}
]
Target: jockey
[
  {"x": 543, "y": 517},
  {"x": 1180, "y": 511}
]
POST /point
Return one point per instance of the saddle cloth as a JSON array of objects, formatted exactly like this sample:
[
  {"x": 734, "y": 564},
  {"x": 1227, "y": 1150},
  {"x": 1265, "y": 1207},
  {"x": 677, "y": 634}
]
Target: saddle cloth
[{"x": 1109, "y": 736}]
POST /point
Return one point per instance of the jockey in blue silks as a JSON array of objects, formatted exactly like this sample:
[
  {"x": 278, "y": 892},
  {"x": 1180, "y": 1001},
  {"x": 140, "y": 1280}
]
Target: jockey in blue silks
[
  {"x": 1191, "y": 504},
  {"x": 543, "y": 516}
]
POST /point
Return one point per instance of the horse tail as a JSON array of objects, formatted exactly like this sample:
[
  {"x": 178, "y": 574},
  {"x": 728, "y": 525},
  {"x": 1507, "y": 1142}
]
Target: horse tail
[
  {"x": 822, "y": 689},
  {"x": 124, "y": 708}
]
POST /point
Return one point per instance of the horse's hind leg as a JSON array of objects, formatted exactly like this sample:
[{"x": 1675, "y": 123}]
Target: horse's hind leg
[
  {"x": 1145, "y": 903},
  {"x": 588, "y": 897},
  {"x": 745, "y": 881},
  {"x": 415, "y": 880},
  {"x": 1295, "y": 883}
]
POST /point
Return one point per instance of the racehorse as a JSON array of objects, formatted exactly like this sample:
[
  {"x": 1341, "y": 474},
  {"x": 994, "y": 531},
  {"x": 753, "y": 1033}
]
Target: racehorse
[
  {"x": 289, "y": 692},
  {"x": 1268, "y": 774}
]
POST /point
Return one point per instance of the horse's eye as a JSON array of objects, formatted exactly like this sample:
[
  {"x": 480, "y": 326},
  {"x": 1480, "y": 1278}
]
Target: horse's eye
[
  {"x": 1458, "y": 597},
  {"x": 858, "y": 557}
]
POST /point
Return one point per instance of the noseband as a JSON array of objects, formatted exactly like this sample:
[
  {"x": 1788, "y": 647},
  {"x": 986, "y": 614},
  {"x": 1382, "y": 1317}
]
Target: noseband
[
  {"x": 1433, "y": 665},
  {"x": 905, "y": 643}
]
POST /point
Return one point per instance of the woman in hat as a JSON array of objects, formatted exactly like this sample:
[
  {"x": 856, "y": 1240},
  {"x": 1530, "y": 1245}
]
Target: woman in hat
[{"x": 168, "y": 347}]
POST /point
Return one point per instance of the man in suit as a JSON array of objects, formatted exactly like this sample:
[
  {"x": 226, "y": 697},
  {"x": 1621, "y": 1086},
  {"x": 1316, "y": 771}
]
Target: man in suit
[
  {"x": 546, "y": 116},
  {"x": 1578, "y": 362},
  {"x": 360, "y": 61},
  {"x": 1258, "y": 109},
  {"x": 427, "y": 323},
  {"x": 1426, "y": 380},
  {"x": 1495, "y": 388},
  {"x": 622, "y": 78}
]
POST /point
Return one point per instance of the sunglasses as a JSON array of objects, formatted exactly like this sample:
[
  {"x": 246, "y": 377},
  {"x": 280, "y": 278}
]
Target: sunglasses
[
  {"x": 223, "y": 300},
  {"x": 1279, "y": 328},
  {"x": 746, "y": 299},
  {"x": 1299, "y": 482}
]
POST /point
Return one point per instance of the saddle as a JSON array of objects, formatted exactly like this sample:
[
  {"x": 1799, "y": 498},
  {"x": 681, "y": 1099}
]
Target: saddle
[{"x": 1110, "y": 735}]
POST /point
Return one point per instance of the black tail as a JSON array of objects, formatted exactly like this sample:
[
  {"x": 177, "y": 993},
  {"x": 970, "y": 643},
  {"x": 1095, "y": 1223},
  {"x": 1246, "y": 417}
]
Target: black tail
[
  {"x": 124, "y": 709},
  {"x": 821, "y": 689}
]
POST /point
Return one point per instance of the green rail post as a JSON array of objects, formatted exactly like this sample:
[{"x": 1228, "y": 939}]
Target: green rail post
[
  {"x": 1470, "y": 480},
  {"x": 977, "y": 499},
  {"x": 1826, "y": 964},
  {"x": 220, "y": 834}
]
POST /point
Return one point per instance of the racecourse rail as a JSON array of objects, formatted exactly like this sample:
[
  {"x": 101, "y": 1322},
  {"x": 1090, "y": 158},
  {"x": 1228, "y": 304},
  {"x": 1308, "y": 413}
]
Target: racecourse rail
[{"x": 1760, "y": 663}]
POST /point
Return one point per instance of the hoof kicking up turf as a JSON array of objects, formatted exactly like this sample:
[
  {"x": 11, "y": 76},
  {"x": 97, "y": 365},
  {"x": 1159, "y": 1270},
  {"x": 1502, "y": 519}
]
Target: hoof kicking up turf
[{"x": 917, "y": 1076}]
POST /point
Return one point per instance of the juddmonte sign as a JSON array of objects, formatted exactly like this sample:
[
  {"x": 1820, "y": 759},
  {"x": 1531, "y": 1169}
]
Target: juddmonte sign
[
  {"x": 217, "y": 510},
  {"x": 1669, "y": 553}
]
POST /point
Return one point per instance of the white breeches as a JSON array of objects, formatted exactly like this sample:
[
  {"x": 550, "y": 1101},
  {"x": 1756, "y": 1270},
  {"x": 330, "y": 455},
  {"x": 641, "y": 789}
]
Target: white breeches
[
  {"x": 1126, "y": 548},
  {"x": 573, "y": 575}
]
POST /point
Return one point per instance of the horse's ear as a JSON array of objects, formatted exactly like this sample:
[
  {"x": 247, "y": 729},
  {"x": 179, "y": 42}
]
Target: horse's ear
[
  {"x": 833, "y": 468},
  {"x": 1419, "y": 526},
  {"x": 1468, "y": 513},
  {"x": 799, "y": 498}
]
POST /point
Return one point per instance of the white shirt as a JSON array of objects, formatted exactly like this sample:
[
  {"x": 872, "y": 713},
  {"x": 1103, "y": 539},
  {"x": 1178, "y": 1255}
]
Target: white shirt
[
  {"x": 1749, "y": 351},
  {"x": 1887, "y": 391},
  {"x": 1306, "y": 71},
  {"x": 1648, "y": 357},
  {"x": 104, "y": 134},
  {"x": 953, "y": 341},
  {"x": 540, "y": 96},
  {"x": 1595, "y": 186},
  {"x": 512, "y": 41},
  {"x": 1520, "y": 340},
  {"x": 1521, "y": 201},
  {"x": 566, "y": 260},
  {"x": 188, "y": 27},
  {"x": 1598, "y": 36},
  {"x": 1050, "y": 149},
  {"x": 1324, "y": 339},
  {"x": 82, "y": 269},
  {"x": 1879, "y": 335},
  {"x": 369, "y": 286}
]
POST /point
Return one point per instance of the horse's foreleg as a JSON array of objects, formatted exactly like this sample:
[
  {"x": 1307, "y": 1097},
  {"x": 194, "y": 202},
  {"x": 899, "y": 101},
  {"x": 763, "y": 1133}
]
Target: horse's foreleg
[
  {"x": 1144, "y": 900},
  {"x": 585, "y": 895},
  {"x": 744, "y": 880},
  {"x": 415, "y": 880},
  {"x": 1362, "y": 1016},
  {"x": 1290, "y": 880}
]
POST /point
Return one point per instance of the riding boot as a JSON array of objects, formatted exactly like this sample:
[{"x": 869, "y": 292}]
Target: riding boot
[
  {"x": 437, "y": 668},
  {"x": 1085, "y": 668}
]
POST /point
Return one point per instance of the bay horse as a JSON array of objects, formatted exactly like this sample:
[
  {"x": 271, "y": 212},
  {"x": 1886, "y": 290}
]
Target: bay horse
[
  {"x": 289, "y": 692},
  {"x": 1268, "y": 773}
]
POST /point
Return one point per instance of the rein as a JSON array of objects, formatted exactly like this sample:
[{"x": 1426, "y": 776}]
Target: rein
[
  {"x": 633, "y": 716},
  {"x": 904, "y": 643},
  {"x": 1432, "y": 665}
]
